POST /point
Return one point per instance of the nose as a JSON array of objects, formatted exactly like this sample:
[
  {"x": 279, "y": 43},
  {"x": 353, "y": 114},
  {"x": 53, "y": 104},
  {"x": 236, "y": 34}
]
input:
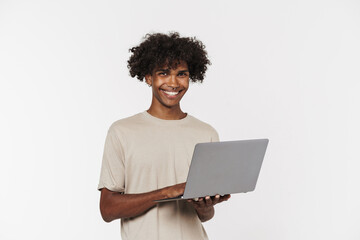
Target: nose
[{"x": 173, "y": 81}]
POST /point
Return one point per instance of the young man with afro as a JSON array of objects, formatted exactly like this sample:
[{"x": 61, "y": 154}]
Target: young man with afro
[{"x": 147, "y": 156}]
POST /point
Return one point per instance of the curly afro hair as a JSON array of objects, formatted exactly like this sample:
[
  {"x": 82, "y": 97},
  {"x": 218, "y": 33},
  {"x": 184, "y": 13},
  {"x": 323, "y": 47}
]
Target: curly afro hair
[{"x": 160, "y": 49}]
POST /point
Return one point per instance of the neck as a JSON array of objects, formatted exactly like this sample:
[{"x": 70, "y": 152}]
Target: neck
[{"x": 173, "y": 113}]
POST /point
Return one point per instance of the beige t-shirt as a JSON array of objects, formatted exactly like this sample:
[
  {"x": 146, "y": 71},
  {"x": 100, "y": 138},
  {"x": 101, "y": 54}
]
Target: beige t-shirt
[{"x": 143, "y": 153}]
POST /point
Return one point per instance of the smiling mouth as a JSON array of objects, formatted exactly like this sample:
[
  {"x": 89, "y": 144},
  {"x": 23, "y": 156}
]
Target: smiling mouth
[{"x": 171, "y": 93}]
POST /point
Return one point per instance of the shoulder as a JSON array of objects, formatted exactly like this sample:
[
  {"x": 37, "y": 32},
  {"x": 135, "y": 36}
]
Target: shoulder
[
  {"x": 123, "y": 124},
  {"x": 204, "y": 127},
  {"x": 201, "y": 124}
]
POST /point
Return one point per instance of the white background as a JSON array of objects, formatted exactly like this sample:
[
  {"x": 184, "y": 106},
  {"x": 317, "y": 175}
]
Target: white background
[{"x": 284, "y": 70}]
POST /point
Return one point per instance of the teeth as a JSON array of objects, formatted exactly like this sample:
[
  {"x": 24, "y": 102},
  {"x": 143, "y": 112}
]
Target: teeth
[{"x": 171, "y": 93}]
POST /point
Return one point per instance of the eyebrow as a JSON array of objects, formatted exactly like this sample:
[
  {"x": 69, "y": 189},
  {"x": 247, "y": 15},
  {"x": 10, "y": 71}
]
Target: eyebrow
[
  {"x": 168, "y": 70},
  {"x": 163, "y": 70}
]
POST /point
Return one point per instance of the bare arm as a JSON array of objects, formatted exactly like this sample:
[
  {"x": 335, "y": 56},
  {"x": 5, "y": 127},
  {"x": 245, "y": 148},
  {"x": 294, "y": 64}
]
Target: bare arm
[{"x": 114, "y": 205}]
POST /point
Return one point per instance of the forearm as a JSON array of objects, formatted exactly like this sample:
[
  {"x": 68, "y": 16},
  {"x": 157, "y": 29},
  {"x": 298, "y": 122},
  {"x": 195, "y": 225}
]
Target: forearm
[
  {"x": 205, "y": 214},
  {"x": 114, "y": 205}
]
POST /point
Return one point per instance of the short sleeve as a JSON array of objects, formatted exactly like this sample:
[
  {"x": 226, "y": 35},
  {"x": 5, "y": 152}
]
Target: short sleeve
[
  {"x": 214, "y": 136},
  {"x": 112, "y": 174}
]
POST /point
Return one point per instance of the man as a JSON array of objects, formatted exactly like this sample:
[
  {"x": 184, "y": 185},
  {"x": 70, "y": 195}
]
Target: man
[{"x": 147, "y": 156}]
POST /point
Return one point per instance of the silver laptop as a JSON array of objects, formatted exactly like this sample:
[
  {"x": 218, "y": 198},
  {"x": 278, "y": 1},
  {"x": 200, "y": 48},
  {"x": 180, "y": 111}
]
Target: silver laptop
[{"x": 223, "y": 168}]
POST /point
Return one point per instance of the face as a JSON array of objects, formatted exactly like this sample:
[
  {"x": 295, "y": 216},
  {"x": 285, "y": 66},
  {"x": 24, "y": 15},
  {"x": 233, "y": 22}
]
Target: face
[{"x": 169, "y": 85}]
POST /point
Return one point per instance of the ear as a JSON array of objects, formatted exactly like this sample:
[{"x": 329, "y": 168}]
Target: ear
[{"x": 148, "y": 79}]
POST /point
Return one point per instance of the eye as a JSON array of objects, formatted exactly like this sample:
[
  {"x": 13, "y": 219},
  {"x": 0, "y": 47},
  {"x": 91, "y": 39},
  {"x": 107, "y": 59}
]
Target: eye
[
  {"x": 162, "y": 73},
  {"x": 183, "y": 74}
]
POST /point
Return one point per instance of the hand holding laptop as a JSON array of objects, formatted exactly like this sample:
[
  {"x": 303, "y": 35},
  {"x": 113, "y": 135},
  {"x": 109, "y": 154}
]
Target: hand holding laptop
[
  {"x": 204, "y": 206},
  {"x": 208, "y": 201}
]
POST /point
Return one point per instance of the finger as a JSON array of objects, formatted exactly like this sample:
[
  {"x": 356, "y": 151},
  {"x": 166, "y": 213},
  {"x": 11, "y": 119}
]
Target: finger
[
  {"x": 201, "y": 202},
  {"x": 224, "y": 198},
  {"x": 208, "y": 201},
  {"x": 195, "y": 203},
  {"x": 216, "y": 199}
]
